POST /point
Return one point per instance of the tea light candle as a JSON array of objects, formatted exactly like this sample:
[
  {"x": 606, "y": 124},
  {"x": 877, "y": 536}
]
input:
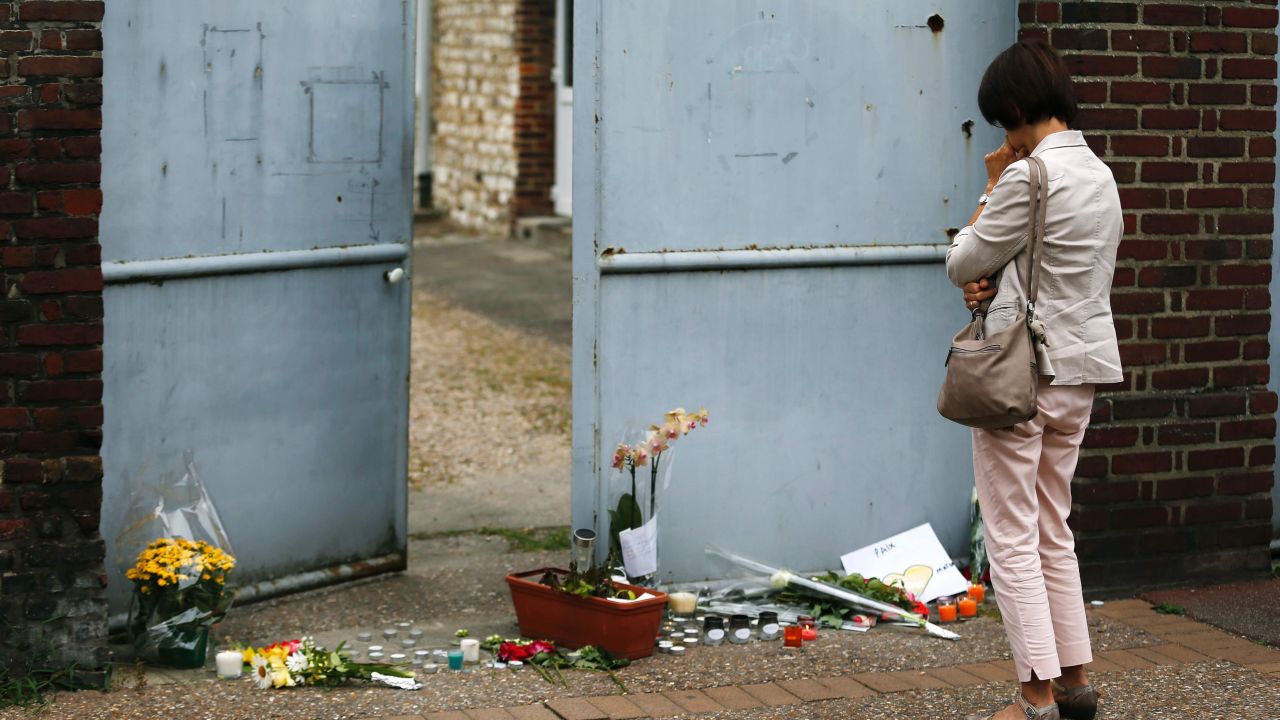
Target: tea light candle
[
  {"x": 714, "y": 630},
  {"x": 229, "y": 663},
  {"x": 946, "y": 610},
  {"x": 397, "y": 658},
  {"x": 430, "y": 668},
  {"x": 365, "y": 637},
  {"x": 389, "y": 633},
  {"x": 769, "y": 629},
  {"x": 375, "y": 656},
  {"x": 792, "y": 636},
  {"x": 415, "y": 633},
  {"x": 808, "y": 627},
  {"x": 978, "y": 592},
  {"x": 682, "y": 603},
  {"x": 677, "y": 650},
  {"x": 515, "y": 664},
  {"x": 404, "y": 626},
  {"x": 408, "y": 643},
  {"x": 375, "y": 648},
  {"x": 690, "y": 642},
  {"x": 968, "y": 607},
  {"x": 470, "y": 650}
]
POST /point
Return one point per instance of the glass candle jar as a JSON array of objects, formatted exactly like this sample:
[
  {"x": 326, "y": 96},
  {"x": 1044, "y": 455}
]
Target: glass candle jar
[
  {"x": 808, "y": 627},
  {"x": 968, "y": 607},
  {"x": 946, "y": 610},
  {"x": 739, "y": 629},
  {"x": 455, "y": 659},
  {"x": 978, "y": 592},
  {"x": 713, "y": 630},
  {"x": 792, "y": 636},
  {"x": 583, "y": 551},
  {"x": 769, "y": 629}
]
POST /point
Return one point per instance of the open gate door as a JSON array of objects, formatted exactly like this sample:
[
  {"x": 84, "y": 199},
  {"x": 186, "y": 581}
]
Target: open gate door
[
  {"x": 256, "y": 179},
  {"x": 764, "y": 193}
]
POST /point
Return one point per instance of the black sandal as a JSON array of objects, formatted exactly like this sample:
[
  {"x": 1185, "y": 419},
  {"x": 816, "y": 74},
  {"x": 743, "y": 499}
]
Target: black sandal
[{"x": 1077, "y": 703}]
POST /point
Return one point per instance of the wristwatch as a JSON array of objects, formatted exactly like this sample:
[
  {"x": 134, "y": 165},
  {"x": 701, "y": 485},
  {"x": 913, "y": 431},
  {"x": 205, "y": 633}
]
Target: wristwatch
[{"x": 983, "y": 198}]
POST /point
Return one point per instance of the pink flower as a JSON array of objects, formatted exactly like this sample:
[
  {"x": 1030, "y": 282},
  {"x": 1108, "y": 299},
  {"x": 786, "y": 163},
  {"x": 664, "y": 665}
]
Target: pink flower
[{"x": 620, "y": 456}]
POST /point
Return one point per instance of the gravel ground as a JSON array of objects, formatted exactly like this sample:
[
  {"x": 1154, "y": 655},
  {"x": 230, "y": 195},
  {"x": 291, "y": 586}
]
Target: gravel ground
[
  {"x": 486, "y": 399},
  {"x": 458, "y": 582}
]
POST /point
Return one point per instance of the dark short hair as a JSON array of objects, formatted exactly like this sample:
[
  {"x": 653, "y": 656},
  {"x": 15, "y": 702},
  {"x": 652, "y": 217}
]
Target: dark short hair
[{"x": 1025, "y": 84}]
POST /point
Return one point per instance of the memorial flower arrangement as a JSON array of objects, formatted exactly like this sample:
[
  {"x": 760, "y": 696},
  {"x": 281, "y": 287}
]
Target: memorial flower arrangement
[
  {"x": 548, "y": 660},
  {"x": 629, "y": 515},
  {"x": 290, "y": 663},
  {"x": 179, "y": 590}
]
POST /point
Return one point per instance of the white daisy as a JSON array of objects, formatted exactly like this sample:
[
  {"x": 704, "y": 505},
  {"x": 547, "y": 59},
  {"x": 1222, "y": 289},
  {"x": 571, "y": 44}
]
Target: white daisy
[
  {"x": 297, "y": 662},
  {"x": 261, "y": 672}
]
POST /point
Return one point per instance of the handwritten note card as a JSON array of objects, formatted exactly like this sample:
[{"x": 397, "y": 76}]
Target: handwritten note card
[
  {"x": 914, "y": 559},
  {"x": 640, "y": 548}
]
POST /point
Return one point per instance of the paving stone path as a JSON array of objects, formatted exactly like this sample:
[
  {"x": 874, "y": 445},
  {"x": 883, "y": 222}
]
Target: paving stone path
[{"x": 1186, "y": 642}]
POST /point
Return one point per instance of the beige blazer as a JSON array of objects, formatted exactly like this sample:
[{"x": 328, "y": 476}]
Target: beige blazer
[{"x": 1083, "y": 225}]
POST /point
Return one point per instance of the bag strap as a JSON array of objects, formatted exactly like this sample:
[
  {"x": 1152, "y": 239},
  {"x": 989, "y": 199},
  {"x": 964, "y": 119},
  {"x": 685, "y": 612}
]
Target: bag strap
[{"x": 1035, "y": 228}]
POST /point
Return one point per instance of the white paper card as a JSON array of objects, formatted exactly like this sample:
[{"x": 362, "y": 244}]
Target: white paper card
[
  {"x": 640, "y": 548},
  {"x": 914, "y": 559}
]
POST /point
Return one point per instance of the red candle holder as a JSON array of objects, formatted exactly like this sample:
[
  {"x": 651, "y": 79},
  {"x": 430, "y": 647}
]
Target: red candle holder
[{"x": 792, "y": 636}]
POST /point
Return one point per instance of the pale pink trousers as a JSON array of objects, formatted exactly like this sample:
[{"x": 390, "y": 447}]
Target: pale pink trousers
[{"x": 1024, "y": 489}]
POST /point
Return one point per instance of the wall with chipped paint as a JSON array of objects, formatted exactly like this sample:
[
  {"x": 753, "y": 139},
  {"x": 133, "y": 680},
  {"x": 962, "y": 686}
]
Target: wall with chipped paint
[
  {"x": 773, "y": 185},
  {"x": 257, "y": 179}
]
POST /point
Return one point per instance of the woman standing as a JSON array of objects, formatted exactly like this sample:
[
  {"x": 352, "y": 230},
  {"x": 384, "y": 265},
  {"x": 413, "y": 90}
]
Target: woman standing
[{"x": 1024, "y": 473}]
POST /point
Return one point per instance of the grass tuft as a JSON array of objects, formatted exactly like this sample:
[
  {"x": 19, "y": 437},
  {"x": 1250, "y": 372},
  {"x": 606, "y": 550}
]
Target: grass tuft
[{"x": 518, "y": 539}]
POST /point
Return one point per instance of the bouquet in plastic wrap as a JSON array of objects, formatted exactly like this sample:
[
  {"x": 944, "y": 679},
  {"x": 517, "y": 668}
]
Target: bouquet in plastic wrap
[
  {"x": 181, "y": 572},
  {"x": 632, "y": 530}
]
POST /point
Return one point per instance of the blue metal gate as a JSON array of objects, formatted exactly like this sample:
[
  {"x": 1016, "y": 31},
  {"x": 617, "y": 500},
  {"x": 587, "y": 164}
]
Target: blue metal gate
[
  {"x": 765, "y": 192},
  {"x": 256, "y": 179}
]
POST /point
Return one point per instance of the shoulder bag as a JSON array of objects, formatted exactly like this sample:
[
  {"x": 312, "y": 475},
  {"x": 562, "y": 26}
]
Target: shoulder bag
[{"x": 991, "y": 381}]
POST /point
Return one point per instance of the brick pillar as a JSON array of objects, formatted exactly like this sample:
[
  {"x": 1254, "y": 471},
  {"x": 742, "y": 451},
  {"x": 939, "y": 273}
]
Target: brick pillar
[
  {"x": 536, "y": 108},
  {"x": 1174, "y": 485},
  {"x": 494, "y": 107},
  {"x": 52, "y": 600}
]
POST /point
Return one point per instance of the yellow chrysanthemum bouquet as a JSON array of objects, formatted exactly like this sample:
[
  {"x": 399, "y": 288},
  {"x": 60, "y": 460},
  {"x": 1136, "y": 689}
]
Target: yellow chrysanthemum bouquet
[{"x": 179, "y": 591}]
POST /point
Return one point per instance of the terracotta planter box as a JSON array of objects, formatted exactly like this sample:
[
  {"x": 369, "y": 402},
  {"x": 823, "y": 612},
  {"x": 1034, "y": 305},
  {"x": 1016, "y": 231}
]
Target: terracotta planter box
[{"x": 624, "y": 630}]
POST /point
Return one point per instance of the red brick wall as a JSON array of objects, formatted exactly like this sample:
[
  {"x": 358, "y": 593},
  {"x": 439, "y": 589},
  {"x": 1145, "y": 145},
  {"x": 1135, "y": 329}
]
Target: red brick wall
[
  {"x": 1179, "y": 99},
  {"x": 535, "y": 108},
  {"x": 51, "y": 554}
]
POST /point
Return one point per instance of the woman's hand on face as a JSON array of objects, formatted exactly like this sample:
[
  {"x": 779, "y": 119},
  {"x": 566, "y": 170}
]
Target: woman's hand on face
[
  {"x": 977, "y": 291},
  {"x": 999, "y": 159}
]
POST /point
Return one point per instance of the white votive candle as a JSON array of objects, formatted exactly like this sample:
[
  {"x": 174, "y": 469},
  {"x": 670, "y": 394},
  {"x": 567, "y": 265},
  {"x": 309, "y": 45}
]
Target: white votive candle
[
  {"x": 229, "y": 664},
  {"x": 470, "y": 650},
  {"x": 682, "y": 603}
]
